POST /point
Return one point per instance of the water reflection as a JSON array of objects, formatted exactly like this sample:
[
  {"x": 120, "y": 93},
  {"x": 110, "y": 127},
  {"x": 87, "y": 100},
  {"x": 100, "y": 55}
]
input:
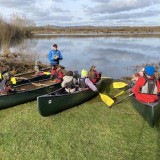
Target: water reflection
[{"x": 114, "y": 56}]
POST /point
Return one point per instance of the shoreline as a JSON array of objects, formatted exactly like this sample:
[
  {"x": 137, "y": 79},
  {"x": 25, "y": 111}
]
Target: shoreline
[{"x": 92, "y": 34}]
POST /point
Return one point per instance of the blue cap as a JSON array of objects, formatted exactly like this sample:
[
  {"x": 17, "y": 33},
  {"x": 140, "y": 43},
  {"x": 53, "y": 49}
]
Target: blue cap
[{"x": 149, "y": 70}]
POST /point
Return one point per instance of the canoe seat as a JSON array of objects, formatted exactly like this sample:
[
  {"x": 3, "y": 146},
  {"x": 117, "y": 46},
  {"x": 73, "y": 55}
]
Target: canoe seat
[{"x": 39, "y": 84}]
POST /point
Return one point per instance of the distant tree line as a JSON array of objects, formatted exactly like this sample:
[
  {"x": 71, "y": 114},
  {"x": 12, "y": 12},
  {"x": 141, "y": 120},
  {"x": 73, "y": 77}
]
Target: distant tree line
[{"x": 93, "y": 29}]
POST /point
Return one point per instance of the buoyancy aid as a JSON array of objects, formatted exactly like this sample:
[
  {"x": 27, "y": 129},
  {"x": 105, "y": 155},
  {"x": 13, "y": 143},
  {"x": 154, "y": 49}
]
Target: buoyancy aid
[
  {"x": 4, "y": 88},
  {"x": 58, "y": 75},
  {"x": 150, "y": 86},
  {"x": 70, "y": 85},
  {"x": 82, "y": 83}
]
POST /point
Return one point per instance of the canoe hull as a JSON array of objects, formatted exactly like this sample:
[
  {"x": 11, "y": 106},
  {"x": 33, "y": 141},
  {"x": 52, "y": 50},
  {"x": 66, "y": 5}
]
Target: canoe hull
[
  {"x": 149, "y": 111},
  {"x": 33, "y": 79},
  {"x": 11, "y": 100},
  {"x": 53, "y": 104}
]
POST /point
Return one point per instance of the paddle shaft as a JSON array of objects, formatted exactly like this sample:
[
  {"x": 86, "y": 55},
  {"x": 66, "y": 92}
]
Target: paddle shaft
[
  {"x": 125, "y": 98},
  {"x": 121, "y": 92}
]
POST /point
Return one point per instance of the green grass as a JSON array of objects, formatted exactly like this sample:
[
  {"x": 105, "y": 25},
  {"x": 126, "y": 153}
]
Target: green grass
[{"x": 90, "y": 131}]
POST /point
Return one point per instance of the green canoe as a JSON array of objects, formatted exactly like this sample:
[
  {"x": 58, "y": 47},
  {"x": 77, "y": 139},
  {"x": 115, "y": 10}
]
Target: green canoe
[
  {"x": 30, "y": 77},
  {"x": 58, "y": 101},
  {"x": 24, "y": 78},
  {"x": 149, "y": 111},
  {"x": 28, "y": 92}
]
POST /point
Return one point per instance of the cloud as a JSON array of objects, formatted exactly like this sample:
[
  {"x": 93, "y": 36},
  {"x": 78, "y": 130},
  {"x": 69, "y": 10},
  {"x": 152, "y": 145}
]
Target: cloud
[
  {"x": 85, "y": 12},
  {"x": 114, "y": 6},
  {"x": 136, "y": 15},
  {"x": 15, "y": 3}
]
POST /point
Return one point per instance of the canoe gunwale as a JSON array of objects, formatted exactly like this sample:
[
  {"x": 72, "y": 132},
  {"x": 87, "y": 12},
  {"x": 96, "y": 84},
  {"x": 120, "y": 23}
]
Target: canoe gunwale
[
  {"x": 147, "y": 103},
  {"x": 31, "y": 90},
  {"x": 67, "y": 94}
]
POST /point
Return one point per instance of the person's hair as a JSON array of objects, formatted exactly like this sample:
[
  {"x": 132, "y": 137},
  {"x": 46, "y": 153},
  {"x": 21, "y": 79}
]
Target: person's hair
[
  {"x": 55, "y": 45},
  {"x": 69, "y": 73},
  {"x": 91, "y": 72},
  {"x": 93, "y": 67}
]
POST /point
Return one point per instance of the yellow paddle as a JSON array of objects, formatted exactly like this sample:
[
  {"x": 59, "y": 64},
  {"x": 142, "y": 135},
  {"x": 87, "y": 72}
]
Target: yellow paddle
[
  {"x": 13, "y": 80},
  {"x": 119, "y": 84},
  {"x": 121, "y": 92},
  {"x": 106, "y": 99},
  {"x": 47, "y": 73},
  {"x": 0, "y": 76}
]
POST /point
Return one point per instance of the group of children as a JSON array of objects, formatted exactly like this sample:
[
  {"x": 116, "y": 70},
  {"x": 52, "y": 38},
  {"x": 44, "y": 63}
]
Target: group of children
[{"x": 71, "y": 81}]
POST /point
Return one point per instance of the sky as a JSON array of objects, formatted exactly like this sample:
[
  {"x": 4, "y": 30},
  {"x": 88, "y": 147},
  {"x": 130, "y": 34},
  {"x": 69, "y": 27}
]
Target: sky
[{"x": 84, "y": 12}]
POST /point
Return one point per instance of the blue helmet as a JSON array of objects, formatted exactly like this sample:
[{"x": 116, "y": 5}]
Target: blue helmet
[{"x": 149, "y": 70}]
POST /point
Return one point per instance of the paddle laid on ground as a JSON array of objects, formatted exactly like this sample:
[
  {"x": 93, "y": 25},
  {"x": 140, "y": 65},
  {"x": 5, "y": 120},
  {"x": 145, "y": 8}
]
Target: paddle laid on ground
[
  {"x": 106, "y": 99},
  {"x": 125, "y": 98},
  {"x": 119, "y": 84},
  {"x": 121, "y": 92}
]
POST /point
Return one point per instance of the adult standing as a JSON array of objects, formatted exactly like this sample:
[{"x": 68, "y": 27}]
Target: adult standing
[{"x": 55, "y": 56}]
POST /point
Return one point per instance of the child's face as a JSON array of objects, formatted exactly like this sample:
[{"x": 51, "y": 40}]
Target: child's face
[{"x": 55, "y": 48}]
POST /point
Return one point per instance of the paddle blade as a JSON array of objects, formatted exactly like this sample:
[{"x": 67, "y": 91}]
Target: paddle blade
[
  {"x": 47, "y": 73},
  {"x": 0, "y": 76},
  {"x": 106, "y": 99},
  {"x": 119, "y": 94},
  {"x": 119, "y": 84},
  {"x": 13, "y": 80}
]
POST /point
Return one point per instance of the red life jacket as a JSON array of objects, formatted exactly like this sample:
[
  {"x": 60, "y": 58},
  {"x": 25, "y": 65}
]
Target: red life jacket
[
  {"x": 58, "y": 75},
  {"x": 94, "y": 78}
]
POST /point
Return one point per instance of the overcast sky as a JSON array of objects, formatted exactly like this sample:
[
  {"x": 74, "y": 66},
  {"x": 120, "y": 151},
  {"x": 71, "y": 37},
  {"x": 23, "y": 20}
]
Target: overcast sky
[{"x": 85, "y": 12}]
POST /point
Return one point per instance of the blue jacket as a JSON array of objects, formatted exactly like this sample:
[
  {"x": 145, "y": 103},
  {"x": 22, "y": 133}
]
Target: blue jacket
[{"x": 52, "y": 54}]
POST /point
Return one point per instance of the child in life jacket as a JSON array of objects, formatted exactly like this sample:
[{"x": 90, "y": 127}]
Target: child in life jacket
[
  {"x": 147, "y": 87},
  {"x": 93, "y": 75}
]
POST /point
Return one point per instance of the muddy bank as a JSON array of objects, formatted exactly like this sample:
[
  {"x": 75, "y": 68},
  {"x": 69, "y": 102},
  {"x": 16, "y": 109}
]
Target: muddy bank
[{"x": 17, "y": 64}]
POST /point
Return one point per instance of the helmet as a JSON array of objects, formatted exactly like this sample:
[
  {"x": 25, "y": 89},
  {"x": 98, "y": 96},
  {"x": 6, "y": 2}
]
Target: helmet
[{"x": 149, "y": 70}]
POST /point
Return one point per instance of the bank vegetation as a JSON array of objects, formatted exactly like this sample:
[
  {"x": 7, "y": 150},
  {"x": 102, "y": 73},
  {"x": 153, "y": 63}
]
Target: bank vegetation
[{"x": 15, "y": 30}]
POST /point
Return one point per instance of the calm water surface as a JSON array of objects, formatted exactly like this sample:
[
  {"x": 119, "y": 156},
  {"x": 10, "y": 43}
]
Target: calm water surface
[{"x": 114, "y": 56}]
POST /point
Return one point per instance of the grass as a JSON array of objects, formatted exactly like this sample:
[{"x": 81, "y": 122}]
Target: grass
[{"x": 90, "y": 131}]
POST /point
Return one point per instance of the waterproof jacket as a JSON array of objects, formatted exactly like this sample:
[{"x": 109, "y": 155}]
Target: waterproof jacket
[
  {"x": 51, "y": 56},
  {"x": 69, "y": 84},
  {"x": 142, "y": 93}
]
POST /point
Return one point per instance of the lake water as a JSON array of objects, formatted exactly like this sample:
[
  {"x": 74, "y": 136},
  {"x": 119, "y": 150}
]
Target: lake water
[{"x": 114, "y": 56}]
